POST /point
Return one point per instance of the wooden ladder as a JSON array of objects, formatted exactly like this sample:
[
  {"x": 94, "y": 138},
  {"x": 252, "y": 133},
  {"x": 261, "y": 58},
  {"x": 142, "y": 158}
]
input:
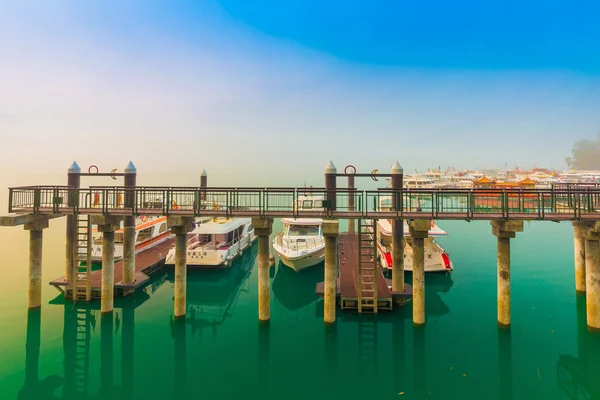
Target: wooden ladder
[
  {"x": 367, "y": 266},
  {"x": 82, "y": 285}
]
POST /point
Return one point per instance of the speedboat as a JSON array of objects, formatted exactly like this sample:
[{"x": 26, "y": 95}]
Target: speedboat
[
  {"x": 301, "y": 243},
  {"x": 216, "y": 242}
]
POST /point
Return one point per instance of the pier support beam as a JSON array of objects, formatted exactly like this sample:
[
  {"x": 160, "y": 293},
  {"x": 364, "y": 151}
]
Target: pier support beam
[
  {"x": 74, "y": 182},
  {"x": 419, "y": 231},
  {"x": 351, "y": 203},
  {"x": 35, "y": 262},
  {"x": 129, "y": 226},
  {"x": 107, "y": 225},
  {"x": 262, "y": 229},
  {"x": 397, "y": 231},
  {"x": 330, "y": 230},
  {"x": 504, "y": 231},
  {"x": 180, "y": 226},
  {"x": 592, "y": 276},
  {"x": 579, "y": 231}
]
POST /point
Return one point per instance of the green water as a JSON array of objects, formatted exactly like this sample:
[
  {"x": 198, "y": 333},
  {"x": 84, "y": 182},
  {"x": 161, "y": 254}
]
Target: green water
[{"x": 221, "y": 351}]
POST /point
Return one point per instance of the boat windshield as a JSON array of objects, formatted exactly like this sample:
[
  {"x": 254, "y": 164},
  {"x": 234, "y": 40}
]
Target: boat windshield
[{"x": 303, "y": 230}]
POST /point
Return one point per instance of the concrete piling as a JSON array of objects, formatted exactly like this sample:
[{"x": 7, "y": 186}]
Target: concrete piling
[
  {"x": 419, "y": 231},
  {"x": 129, "y": 225},
  {"x": 504, "y": 231},
  {"x": 262, "y": 229},
  {"x": 108, "y": 271},
  {"x": 579, "y": 250},
  {"x": 592, "y": 276},
  {"x": 330, "y": 229},
  {"x": 35, "y": 262},
  {"x": 180, "y": 226},
  {"x": 330, "y": 185}
]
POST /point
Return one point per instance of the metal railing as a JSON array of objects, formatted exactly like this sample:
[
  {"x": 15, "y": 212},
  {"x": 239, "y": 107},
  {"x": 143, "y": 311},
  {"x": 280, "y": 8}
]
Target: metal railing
[{"x": 440, "y": 203}]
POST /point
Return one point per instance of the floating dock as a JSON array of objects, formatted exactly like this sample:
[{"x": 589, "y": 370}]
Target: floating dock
[
  {"x": 347, "y": 287},
  {"x": 146, "y": 262}
]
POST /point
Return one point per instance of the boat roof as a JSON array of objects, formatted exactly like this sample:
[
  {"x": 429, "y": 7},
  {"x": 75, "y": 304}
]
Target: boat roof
[
  {"x": 302, "y": 221},
  {"x": 219, "y": 225},
  {"x": 386, "y": 228}
]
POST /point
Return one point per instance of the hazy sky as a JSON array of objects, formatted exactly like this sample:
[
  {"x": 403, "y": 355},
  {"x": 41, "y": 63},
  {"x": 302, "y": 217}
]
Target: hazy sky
[{"x": 284, "y": 86}]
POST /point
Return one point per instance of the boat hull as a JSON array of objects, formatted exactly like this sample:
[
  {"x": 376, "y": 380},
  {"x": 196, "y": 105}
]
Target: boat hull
[
  {"x": 213, "y": 259},
  {"x": 299, "y": 263}
]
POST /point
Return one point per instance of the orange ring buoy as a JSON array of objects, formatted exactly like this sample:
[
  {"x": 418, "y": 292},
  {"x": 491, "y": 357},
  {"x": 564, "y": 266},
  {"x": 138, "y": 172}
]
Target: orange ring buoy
[
  {"x": 432, "y": 223},
  {"x": 144, "y": 218}
]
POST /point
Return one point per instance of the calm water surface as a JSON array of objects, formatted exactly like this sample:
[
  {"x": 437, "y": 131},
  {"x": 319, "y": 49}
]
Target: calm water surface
[{"x": 221, "y": 351}]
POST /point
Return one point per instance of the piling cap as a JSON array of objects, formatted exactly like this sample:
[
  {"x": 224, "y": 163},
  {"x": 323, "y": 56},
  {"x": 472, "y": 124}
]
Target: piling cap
[
  {"x": 130, "y": 168},
  {"x": 203, "y": 173},
  {"x": 74, "y": 168},
  {"x": 397, "y": 169},
  {"x": 330, "y": 168}
]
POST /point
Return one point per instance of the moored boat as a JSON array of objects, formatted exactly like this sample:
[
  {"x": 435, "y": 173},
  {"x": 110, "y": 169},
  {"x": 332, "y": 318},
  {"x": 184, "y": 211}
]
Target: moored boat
[{"x": 216, "y": 242}]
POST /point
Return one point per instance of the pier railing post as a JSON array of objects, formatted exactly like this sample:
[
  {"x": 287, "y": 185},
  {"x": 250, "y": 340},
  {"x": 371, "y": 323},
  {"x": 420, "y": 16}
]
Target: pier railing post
[
  {"x": 419, "y": 230},
  {"x": 180, "y": 226},
  {"x": 74, "y": 182},
  {"x": 262, "y": 229},
  {"x": 35, "y": 262},
  {"x": 330, "y": 230},
  {"x": 129, "y": 225},
  {"x": 330, "y": 186},
  {"x": 397, "y": 230},
  {"x": 351, "y": 203},
  {"x": 504, "y": 230},
  {"x": 107, "y": 225}
]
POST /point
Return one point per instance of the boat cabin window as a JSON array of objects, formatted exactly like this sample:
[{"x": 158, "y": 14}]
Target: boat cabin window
[
  {"x": 163, "y": 228},
  {"x": 145, "y": 234},
  {"x": 303, "y": 230},
  {"x": 307, "y": 204},
  {"x": 118, "y": 237},
  {"x": 250, "y": 228}
]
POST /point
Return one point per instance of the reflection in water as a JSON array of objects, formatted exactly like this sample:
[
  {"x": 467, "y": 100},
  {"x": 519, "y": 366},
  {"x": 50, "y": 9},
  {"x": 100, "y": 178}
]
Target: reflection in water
[
  {"x": 419, "y": 361},
  {"x": 505, "y": 363},
  {"x": 435, "y": 284},
  {"x": 294, "y": 292},
  {"x": 179, "y": 334},
  {"x": 264, "y": 357},
  {"x": 578, "y": 376},
  {"x": 331, "y": 357},
  {"x": 213, "y": 293},
  {"x": 33, "y": 388}
]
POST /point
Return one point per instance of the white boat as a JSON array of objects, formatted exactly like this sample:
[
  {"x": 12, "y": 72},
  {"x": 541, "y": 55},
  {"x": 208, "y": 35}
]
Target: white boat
[
  {"x": 301, "y": 243},
  {"x": 149, "y": 232},
  {"x": 216, "y": 242},
  {"x": 436, "y": 258}
]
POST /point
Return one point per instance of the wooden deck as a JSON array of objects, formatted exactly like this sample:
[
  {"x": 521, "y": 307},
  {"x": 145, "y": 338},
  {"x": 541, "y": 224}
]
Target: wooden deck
[
  {"x": 146, "y": 262},
  {"x": 347, "y": 288}
]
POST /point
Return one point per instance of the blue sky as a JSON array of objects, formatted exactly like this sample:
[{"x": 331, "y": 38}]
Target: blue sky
[{"x": 265, "y": 85}]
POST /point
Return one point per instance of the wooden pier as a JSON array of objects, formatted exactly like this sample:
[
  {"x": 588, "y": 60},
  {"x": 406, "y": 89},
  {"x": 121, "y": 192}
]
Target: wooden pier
[
  {"x": 347, "y": 288},
  {"x": 146, "y": 262}
]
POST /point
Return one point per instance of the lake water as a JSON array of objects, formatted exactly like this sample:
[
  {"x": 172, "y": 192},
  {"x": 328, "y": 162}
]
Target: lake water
[{"x": 221, "y": 351}]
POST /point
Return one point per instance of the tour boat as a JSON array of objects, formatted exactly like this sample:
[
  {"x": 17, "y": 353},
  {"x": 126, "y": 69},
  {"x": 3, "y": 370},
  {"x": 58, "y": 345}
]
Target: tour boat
[
  {"x": 216, "y": 242},
  {"x": 149, "y": 232},
  {"x": 301, "y": 243},
  {"x": 436, "y": 258}
]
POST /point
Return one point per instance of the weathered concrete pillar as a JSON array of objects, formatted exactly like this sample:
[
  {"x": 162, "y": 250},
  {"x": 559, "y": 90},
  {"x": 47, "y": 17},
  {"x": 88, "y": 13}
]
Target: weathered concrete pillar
[
  {"x": 74, "y": 181},
  {"x": 180, "y": 226},
  {"x": 331, "y": 184},
  {"x": 330, "y": 229},
  {"x": 397, "y": 231},
  {"x": 262, "y": 229},
  {"x": 35, "y": 262},
  {"x": 419, "y": 230},
  {"x": 592, "y": 276},
  {"x": 107, "y": 225},
  {"x": 579, "y": 247},
  {"x": 504, "y": 231},
  {"x": 129, "y": 225}
]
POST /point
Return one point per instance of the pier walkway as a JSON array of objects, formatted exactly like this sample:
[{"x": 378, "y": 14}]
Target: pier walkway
[{"x": 570, "y": 204}]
